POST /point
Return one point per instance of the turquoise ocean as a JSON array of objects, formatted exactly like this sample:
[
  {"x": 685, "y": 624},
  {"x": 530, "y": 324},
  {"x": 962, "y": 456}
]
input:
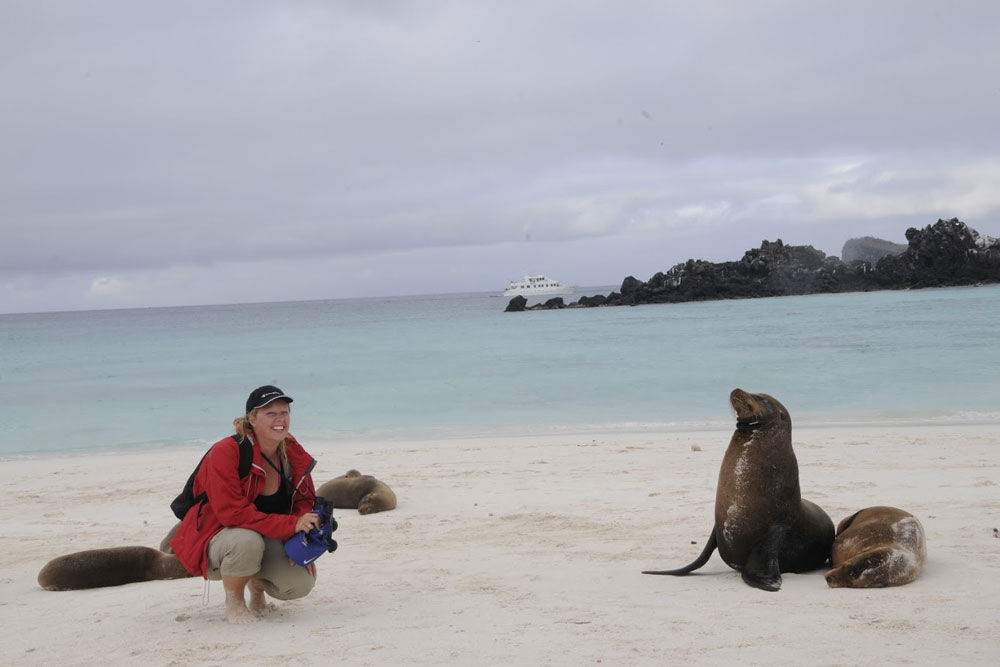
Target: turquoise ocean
[{"x": 456, "y": 365}]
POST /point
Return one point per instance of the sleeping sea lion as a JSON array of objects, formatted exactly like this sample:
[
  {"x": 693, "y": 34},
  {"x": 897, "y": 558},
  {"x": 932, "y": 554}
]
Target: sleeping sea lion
[
  {"x": 115, "y": 566},
  {"x": 353, "y": 490},
  {"x": 763, "y": 527},
  {"x": 877, "y": 547}
]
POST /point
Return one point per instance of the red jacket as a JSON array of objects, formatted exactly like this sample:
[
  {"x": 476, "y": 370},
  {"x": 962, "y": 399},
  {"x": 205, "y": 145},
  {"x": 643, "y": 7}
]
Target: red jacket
[{"x": 230, "y": 500}]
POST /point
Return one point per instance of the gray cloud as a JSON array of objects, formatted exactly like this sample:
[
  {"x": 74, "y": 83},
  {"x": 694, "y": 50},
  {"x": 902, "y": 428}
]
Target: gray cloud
[{"x": 153, "y": 146}]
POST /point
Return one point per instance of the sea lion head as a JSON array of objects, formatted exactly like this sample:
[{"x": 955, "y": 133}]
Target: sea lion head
[
  {"x": 870, "y": 570},
  {"x": 757, "y": 411}
]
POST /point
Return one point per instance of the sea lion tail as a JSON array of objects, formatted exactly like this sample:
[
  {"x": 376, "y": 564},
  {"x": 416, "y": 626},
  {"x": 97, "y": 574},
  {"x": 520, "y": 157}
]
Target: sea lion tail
[{"x": 702, "y": 558}]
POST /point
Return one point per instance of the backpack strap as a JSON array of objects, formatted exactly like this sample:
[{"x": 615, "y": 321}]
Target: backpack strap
[
  {"x": 246, "y": 454},
  {"x": 242, "y": 470}
]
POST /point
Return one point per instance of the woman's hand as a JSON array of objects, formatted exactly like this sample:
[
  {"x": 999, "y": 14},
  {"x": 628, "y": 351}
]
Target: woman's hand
[
  {"x": 310, "y": 568},
  {"x": 307, "y": 522}
]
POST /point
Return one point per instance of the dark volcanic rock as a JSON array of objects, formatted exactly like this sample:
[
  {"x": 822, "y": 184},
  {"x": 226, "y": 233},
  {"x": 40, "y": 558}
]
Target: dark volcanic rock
[
  {"x": 590, "y": 301},
  {"x": 516, "y": 304},
  {"x": 945, "y": 253},
  {"x": 869, "y": 249},
  {"x": 552, "y": 304}
]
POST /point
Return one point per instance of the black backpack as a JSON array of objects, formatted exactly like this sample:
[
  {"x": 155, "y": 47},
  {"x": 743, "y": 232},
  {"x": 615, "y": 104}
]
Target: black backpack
[{"x": 186, "y": 499}]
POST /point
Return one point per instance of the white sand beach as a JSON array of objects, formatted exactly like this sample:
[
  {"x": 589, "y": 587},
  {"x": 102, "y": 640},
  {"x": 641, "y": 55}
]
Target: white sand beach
[{"x": 524, "y": 551}]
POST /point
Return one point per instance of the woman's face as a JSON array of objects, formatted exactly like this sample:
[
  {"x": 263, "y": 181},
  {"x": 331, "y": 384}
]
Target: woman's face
[{"x": 270, "y": 423}]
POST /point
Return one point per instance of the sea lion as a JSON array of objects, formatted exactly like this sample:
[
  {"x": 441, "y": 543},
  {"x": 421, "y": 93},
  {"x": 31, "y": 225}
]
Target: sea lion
[
  {"x": 352, "y": 490},
  {"x": 877, "y": 547},
  {"x": 115, "y": 566},
  {"x": 763, "y": 527}
]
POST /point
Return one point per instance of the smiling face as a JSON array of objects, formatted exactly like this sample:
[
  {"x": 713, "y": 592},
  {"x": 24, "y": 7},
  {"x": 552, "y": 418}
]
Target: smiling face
[{"x": 270, "y": 423}]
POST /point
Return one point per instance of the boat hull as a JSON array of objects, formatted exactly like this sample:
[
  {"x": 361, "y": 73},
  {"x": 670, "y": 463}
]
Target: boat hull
[
  {"x": 529, "y": 291},
  {"x": 540, "y": 285}
]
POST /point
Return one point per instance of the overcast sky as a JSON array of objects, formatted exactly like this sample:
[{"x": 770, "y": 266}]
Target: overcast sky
[{"x": 190, "y": 152}]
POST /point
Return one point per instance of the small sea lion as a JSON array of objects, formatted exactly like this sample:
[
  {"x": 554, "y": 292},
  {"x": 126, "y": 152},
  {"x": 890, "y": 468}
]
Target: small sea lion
[
  {"x": 877, "y": 547},
  {"x": 96, "y": 568},
  {"x": 763, "y": 527},
  {"x": 352, "y": 490}
]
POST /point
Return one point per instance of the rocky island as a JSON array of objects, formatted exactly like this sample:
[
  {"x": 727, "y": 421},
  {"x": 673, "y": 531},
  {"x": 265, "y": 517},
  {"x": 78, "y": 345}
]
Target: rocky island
[{"x": 947, "y": 253}]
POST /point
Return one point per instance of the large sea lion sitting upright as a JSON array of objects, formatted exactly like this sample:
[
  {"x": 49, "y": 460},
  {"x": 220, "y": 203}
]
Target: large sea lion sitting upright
[
  {"x": 352, "y": 490},
  {"x": 763, "y": 527},
  {"x": 114, "y": 566},
  {"x": 876, "y": 547}
]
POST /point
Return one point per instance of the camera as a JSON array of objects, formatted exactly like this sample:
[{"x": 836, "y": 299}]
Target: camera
[{"x": 303, "y": 547}]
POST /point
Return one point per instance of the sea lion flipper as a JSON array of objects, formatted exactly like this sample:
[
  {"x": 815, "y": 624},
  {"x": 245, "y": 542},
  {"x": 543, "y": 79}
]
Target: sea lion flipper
[
  {"x": 762, "y": 567},
  {"x": 766, "y": 579},
  {"x": 761, "y": 570},
  {"x": 702, "y": 558}
]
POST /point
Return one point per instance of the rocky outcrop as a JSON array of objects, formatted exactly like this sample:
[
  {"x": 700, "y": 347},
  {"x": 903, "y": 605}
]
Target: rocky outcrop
[
  {"x": 945, "y": 253},
  {"x": 869, "y": 249},
  {"x": 516, "y": 305},
  {"x": 519, "y": 303}
]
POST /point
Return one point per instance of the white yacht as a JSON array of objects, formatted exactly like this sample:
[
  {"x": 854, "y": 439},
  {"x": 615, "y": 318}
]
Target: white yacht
[{"x": 537, "y": 284}]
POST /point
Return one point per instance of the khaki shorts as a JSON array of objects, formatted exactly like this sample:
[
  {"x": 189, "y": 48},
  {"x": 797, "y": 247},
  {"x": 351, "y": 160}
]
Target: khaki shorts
[{"x": 240, "y": 552}]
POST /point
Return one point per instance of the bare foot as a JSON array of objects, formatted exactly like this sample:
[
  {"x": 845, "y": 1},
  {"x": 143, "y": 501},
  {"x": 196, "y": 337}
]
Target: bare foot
[
  {"x": 258, "y": 604},
  {"x": 264, "y": 609},
  {"x": 238, "y": 614}
]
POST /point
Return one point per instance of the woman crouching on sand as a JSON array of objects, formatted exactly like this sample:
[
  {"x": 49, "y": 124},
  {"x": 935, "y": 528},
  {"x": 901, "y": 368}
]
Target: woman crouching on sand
[{"x": 237, "y": 533}]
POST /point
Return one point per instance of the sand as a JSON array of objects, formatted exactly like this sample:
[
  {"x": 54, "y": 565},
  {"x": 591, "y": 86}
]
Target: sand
[{"x": 524, "y": 551}]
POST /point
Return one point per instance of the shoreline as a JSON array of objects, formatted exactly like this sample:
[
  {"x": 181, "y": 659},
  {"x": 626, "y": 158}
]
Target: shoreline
[
  {"x": 427, "y": 436},
  {"x": 526, "y": 550}
]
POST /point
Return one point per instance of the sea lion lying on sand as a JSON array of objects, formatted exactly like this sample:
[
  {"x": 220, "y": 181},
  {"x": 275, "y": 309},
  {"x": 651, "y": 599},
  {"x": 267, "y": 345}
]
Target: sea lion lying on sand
[
  {"x": 352, "y": 490},
  {"x": 763, "y": 527},
  {"x": 876, "y": 547},
  {"x": 114, "y": 566}
]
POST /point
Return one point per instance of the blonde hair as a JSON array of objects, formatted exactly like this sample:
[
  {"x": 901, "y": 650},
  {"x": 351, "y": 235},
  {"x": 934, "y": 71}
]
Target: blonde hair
[{"x": 244, "y": 429}]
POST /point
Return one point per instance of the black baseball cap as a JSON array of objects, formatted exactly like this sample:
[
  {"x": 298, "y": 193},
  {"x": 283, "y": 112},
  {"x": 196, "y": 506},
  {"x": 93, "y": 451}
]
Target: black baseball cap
[{"x": 261, "y": 396}]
